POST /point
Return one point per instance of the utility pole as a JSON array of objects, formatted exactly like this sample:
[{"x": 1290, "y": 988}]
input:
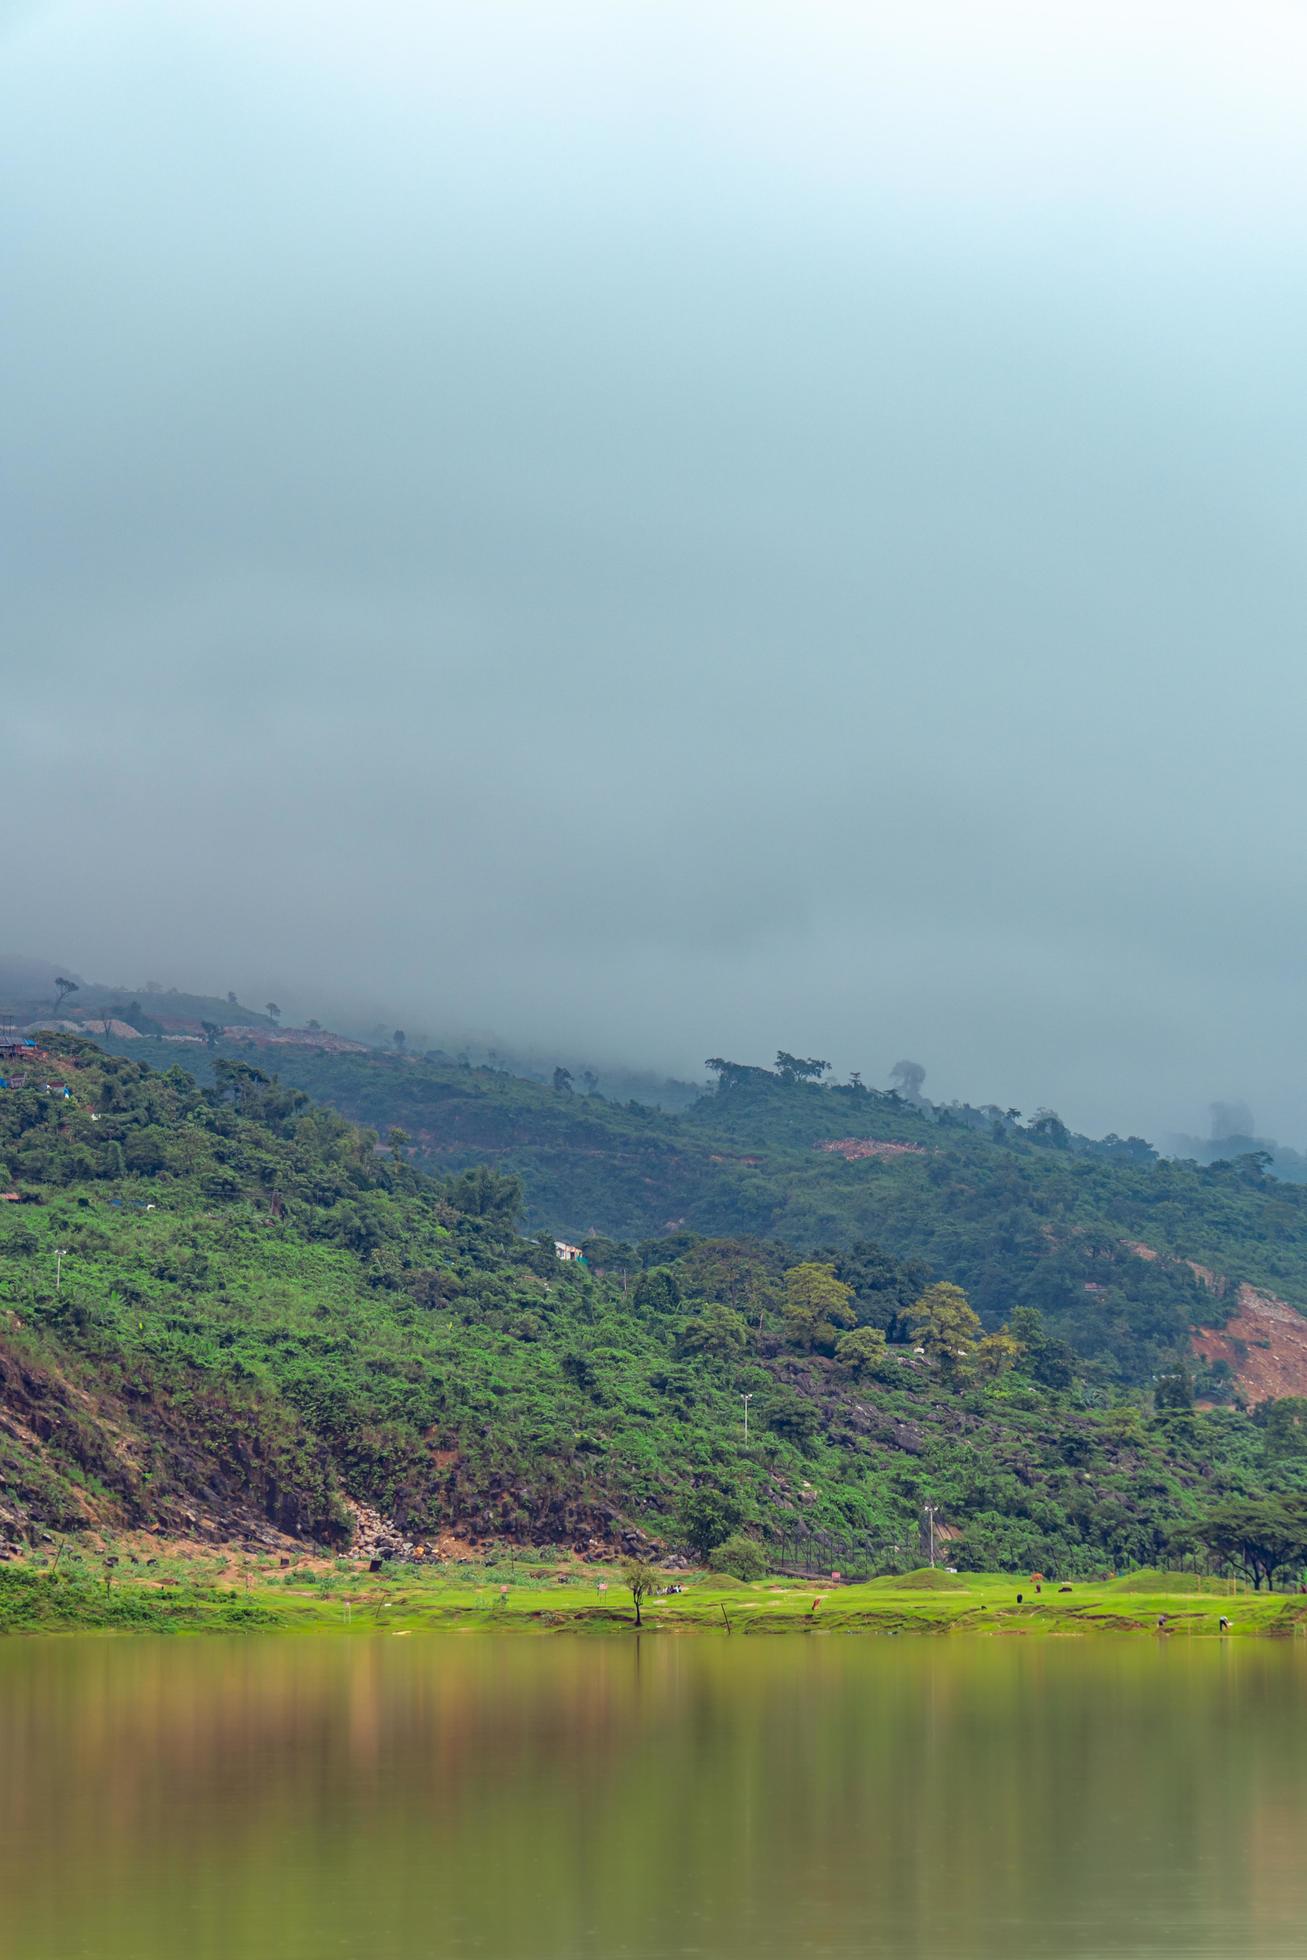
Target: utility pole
[
  {"x": 930, "y": 1518},
  {"x": 60, "y": 1254},
  {"x": 746, "y": 1399}
]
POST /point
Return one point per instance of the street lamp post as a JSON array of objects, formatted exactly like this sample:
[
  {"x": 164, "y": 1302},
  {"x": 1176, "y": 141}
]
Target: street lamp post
[
  {"x": 746, "y": 1399},
  {"x": 930, "y": 1518},
  {"x": 60, "y": 1254}
]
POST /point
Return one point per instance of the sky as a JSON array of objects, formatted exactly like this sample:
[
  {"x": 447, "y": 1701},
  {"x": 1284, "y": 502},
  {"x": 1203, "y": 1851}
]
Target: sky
[{"x": 669, "y": 529}]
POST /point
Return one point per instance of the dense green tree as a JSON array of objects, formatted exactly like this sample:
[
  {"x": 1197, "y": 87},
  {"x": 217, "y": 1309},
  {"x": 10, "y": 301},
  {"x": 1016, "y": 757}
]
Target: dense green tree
[
  {"x": 1044, "y": 1359},
  {"x": 657, "y": 1291},
  {"x": 815, "y": 1305},
  {"x": 797, "y": 1068},
  {"x": 1261, "y": 1535},
  {"x": 715, "y": 1330},
  {"x": 1174, "y": 1389},
  {"x": 483, "y": 1193},
  {"x": 863, "y": 1354},
  {"x": 707, "y": 1517},
  {"x": 883, "y": 1287},
  {"x": 791, "y": 1415},
  {"x": 1283, "y": 1424},
  {"x": 993, "y": 1355},
  {"x": 742, "y": 1272},
  {"x": 1046, "y": 1126},
  {"x": 944, "y": 1323}
]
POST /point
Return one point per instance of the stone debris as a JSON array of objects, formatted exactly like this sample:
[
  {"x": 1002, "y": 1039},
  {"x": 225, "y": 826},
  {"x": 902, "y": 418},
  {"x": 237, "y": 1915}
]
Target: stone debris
[{"x": 375, "y": 1536}]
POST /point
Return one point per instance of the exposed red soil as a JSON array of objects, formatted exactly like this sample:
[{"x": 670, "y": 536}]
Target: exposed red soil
[{"x": 1265, "y": 1343}]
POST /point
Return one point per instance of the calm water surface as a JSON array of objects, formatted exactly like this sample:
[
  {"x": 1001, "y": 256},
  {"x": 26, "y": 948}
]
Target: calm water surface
[{"x": 452, "y": 1796}]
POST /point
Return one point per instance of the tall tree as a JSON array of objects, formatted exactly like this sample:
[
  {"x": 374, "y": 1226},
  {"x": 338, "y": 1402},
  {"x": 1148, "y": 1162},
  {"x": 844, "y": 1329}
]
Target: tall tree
[
  {"x": 816, "y": 1305},
  {"x": 733, "y": 1075},
  {"x": 863, "y": 1352},
  {"x": 482, "y": 1193},
  {"x": 798, "y": 1068},
  {"x": 1261, "y": 1535},
  {"x": 707, "y": 1516},
  {"x": 945, "y": 1324},
  {"x": 714, "y": 1330},
  {"x": 640, "y": 1580}
]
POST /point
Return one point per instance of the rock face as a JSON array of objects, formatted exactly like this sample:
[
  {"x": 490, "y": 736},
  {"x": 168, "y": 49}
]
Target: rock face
[
  {"x": 1265, "y": 1344},
  {"x": 375, "y": 1536}
]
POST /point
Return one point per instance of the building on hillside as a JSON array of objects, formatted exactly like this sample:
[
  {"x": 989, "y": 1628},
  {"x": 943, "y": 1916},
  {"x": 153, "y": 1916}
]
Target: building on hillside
[{"x": 567, "y": 1252}]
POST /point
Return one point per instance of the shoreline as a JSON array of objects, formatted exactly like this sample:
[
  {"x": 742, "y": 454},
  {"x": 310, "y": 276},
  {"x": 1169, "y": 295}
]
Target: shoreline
[{"x": 38, "y": 1598}]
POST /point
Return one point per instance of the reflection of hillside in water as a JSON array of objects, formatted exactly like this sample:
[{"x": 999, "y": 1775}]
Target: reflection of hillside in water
[{"x": 304, "y": 1797}]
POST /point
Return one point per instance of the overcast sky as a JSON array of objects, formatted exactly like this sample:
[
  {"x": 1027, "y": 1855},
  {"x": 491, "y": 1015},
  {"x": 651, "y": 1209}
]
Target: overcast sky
[{"x": 672, "y": 529}]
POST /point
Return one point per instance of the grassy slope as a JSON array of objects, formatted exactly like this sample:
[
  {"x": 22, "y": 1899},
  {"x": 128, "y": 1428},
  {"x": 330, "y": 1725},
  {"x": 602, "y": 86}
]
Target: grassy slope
[
  {"x": 209, "y": 1355},
  {"x": 1013, "y": 1219},
  {"x": 300, "y": 1316}
]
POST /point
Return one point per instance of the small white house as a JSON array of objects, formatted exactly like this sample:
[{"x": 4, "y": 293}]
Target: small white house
[{"x": 566, "y": 1251}]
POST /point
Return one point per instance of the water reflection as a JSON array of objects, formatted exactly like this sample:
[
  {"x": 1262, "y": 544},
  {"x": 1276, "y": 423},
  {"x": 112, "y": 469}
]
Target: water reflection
[{"x": 460, "y": 1796}]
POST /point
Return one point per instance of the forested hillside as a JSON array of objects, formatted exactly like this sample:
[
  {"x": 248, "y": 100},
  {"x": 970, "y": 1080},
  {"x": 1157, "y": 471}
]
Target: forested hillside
[
  {"x": 1017, "y": 1212},
  {"x": 221, "y": 1305}
]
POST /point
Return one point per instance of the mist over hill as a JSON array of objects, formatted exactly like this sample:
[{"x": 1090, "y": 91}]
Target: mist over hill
[{"x": 1133, "y": 1258}]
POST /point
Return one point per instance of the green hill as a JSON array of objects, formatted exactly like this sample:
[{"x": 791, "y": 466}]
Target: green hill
[
  {"x": 1016, "y": 1213},
  {"x": 226, "y": 1305}
]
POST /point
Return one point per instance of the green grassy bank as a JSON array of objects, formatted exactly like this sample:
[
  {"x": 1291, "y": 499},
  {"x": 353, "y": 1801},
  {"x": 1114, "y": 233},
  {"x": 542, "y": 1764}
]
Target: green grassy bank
[{"x": 212, "y": 1595}]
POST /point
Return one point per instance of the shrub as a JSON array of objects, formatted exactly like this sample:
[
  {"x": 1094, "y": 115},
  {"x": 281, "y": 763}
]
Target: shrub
[
  {"x": 739, "y": 1557},
  {"x": 707, "y": 1518}
]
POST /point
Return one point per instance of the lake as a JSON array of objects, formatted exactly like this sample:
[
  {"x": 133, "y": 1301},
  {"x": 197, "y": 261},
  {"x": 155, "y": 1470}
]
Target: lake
[{"x": 381, "y": 1798}]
